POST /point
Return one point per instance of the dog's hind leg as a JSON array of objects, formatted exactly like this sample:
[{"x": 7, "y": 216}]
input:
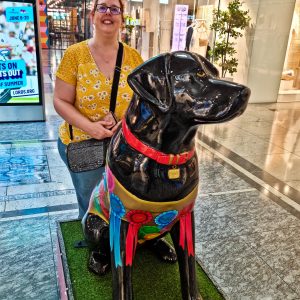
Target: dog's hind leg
[
  {"x": 187, "y": 263},
  {"x": 121, "y": 274}
]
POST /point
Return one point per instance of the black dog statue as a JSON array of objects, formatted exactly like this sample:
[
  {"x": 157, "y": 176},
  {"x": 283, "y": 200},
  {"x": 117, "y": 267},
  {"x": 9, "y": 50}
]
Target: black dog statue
[{"x": 151, "y": 179}]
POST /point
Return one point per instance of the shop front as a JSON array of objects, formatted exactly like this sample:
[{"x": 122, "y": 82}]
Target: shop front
[
  {"x": 156, "y": 26},
  {"x": 266, "y": 53}
]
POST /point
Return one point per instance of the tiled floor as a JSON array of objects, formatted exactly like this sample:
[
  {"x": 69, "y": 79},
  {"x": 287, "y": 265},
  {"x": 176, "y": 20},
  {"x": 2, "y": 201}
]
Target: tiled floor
[{"x": 247, "y": 214}]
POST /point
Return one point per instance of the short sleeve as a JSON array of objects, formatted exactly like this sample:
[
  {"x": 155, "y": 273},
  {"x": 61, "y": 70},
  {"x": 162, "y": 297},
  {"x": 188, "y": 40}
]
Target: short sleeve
[
  {"x": 67, "y": 70},
  {"x": 137, "y": 57}
]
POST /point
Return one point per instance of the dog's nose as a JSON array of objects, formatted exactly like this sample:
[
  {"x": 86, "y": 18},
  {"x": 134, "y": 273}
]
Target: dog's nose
[{"x": 246, "y": 92}]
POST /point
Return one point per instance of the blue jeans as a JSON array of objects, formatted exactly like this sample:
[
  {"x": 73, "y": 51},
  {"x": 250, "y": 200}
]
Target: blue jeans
[{"x": 84, "y": 182}]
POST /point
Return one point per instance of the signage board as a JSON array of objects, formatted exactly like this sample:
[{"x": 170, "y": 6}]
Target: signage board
[
  {"x": 179, "y": 27},
  {"x": 20, "y": 70}
]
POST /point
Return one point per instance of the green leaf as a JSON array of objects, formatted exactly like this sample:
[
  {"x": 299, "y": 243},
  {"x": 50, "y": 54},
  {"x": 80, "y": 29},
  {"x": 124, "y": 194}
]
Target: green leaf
[{"x": 229, "y": 25}]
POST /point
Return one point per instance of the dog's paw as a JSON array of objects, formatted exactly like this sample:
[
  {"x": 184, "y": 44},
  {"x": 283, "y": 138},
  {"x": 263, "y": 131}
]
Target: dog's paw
[
  {"x": 99, "y": 263},
  {"x": 163, "y": 250}
]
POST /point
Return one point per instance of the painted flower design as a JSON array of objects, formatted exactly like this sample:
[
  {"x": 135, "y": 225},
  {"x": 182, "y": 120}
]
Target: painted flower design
[
  {"x": 148, "y": 232},
  {"x": 166, "y": 218},
  {"x": 116, "y": 206},
  {"x": 139, "y": 217}
]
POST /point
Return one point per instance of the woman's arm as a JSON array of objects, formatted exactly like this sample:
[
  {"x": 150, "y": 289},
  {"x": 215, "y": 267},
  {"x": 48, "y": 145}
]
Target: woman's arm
[{"x": 64, "y": 99}]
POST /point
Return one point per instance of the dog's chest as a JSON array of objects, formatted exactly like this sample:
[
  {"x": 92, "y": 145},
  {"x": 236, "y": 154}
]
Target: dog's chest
[
  {"x": 148, "y": 179},
  {"x": 110, "y": 198}
]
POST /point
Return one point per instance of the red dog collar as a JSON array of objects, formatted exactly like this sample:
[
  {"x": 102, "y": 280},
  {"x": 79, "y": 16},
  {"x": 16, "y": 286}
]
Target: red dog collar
[{"x": 160, "y": 157}]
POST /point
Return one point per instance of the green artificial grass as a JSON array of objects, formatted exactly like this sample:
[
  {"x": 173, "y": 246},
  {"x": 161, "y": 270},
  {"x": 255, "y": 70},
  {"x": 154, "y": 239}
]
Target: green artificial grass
[{"x": 152, "y": 279}]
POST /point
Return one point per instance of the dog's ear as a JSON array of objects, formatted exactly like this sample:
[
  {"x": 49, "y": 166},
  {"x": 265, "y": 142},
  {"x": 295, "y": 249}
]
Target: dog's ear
[
  {"x": 209, "y": 66},
  {"x": 151, "y": 81}
]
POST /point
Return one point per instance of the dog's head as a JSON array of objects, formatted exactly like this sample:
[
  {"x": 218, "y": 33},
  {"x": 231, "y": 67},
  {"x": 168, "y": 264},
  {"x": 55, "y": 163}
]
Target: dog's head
[{"x": 187, "y": 84}]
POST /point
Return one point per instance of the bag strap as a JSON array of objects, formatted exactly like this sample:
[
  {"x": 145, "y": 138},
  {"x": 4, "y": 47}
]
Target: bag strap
[{"x": 115, "y": 85}]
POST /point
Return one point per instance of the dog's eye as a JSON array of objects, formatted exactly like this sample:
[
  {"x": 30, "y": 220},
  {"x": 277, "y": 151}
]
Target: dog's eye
[{"x": 201, "y": 74}]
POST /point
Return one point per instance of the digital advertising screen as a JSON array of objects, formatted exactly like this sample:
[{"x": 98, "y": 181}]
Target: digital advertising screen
[{"x": 20, "y": 81}]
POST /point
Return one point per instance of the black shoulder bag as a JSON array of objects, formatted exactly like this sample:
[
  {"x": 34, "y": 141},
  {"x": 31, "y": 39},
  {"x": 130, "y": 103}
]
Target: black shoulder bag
[{"x": 91, "y": 154}]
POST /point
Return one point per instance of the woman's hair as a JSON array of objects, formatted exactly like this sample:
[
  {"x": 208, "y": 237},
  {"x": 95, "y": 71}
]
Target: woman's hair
[{"x": 121, "y": 6}]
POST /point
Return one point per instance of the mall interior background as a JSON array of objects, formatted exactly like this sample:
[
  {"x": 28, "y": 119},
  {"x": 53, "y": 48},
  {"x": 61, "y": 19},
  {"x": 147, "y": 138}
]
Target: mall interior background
[
  {"x": 268, "y": 53},
  {"x": 248, "y": 209}
]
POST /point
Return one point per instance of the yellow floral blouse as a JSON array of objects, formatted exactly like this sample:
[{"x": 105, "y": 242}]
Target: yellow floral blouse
[{"x": 93, "y": 89}]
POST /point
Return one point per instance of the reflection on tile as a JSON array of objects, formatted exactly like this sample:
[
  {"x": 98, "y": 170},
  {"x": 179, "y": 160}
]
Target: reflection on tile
[
  {"x": 294, "y": 184},
  {"x": 256, "y": 146},
  {"x": 40, "y": 202},
  {"x": 263, "y": 128},
  {"x": 285, "y": 261},
  {"x": 222, "y": 131},
  {"x": 283, "y": 166},
  {"x": 240, "y": 272},
  {"x": 23, "y": 170},
  {"x": 289, "y": 141}
]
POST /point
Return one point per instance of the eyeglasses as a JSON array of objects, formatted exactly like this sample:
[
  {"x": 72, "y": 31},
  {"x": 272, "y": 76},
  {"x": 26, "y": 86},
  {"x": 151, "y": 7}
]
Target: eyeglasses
[{"x": 114, "y": 10}]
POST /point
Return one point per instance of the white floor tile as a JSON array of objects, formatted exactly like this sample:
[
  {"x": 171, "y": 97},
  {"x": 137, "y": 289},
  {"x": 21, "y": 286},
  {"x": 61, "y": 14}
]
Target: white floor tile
[
  {"x": 3, "y": 190},
  {"x": 39, "y": 188},
  {"x": 40, "y": 202},
  {"x": 2, "y": 206}
]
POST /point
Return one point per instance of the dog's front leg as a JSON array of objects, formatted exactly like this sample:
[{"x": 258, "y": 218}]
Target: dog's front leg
[
  {"x": 187, "y": 263},
  {"x": 121, "y": 274}
]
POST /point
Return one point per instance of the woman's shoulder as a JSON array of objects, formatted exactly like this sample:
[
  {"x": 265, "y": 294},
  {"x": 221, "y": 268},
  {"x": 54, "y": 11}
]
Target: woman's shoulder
[
  {"x": 78, "y": 47},
  {"x": 133, "y": 55},
  {"x": 79, "y": 50}
]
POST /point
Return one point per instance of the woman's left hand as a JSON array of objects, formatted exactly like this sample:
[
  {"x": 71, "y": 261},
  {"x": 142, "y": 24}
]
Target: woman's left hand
[{"x": 115, "y": 128}]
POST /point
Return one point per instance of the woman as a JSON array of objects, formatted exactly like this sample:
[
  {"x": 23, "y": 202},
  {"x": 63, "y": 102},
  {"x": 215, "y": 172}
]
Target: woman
[
  {"x": 82, "y": 94},
  {"x": 83, "y": 86}
]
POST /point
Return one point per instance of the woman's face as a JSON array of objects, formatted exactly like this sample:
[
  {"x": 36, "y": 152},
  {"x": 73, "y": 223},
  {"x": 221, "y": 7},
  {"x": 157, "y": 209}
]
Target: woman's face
[{"x": 107, "y": 22}]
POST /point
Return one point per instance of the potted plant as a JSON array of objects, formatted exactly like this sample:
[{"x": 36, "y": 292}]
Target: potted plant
[{"x": 228, "y": 25}]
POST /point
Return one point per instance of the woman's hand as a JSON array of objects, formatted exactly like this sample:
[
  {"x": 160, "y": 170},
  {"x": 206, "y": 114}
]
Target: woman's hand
[
  {"x": 99, "y": 130},
  {"x": 115, "y": 128}
]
